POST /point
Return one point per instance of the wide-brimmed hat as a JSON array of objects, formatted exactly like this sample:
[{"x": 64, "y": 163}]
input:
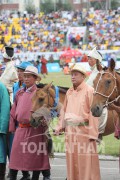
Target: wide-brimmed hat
[
  {"x": 32, "y": 70},
  {"x": 79, "y": 68},
  {"x": 24, "y": 65},
  {"x": 95, "y": 54},
  {"x": 8, "y": 52}
]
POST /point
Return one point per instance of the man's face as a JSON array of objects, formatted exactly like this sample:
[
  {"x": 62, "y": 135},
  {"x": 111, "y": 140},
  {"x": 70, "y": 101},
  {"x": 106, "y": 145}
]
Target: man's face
[
  {"x": 77, "y": 78},
  {"x": 91, "y": 61},
  {"x": 29, "y": 80},
  {"x": 20, "y": 73}
]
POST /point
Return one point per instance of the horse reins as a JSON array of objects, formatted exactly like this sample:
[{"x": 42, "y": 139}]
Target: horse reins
[{"x": 115, "y": 88}]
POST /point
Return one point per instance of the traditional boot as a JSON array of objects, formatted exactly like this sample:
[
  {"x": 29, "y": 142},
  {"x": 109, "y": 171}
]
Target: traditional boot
[
  {"x": 2, "y": 171},
  {"x": 46, "y": 174},
  {"x": 35, "y": 175},
  {"x": 46, "y": 178},
  {"x": 26, "y": 175},
  {"x": 13, "y": 174}
]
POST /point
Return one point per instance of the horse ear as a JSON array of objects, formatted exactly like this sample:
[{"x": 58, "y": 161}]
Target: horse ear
[
  {"x": 46, "y": 87},
  {"x": 99, "y": 66},
  {"x": 112, "y": 64}
]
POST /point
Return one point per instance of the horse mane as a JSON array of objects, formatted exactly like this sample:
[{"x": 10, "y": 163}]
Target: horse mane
[{"x": 61, "y": 89}]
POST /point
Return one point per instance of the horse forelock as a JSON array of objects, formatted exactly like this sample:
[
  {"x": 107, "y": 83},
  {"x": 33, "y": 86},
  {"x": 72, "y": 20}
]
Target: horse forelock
[{"x": 44, "y": 96}]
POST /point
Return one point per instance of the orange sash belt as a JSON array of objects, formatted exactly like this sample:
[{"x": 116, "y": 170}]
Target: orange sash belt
[{"x": 24, "y": 125}]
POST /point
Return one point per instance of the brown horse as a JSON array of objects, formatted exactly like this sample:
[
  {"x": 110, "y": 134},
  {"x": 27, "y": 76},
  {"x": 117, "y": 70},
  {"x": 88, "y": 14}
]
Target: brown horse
[
  {"x": 107, "y": 91},
  {"x": 42, "y": 104}
]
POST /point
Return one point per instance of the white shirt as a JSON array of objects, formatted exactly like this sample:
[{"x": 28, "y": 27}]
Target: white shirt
[{"x": 9, "y": 76}]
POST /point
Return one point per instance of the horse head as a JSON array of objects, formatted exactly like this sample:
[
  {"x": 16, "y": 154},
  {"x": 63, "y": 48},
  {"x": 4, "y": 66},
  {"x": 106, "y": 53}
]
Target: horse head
[
  {"x": 42, "y": 102},
  {"x": 106, "y": 88}
]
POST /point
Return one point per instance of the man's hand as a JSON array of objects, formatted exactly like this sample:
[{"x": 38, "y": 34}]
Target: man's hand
[{"x": 58, "y": 132}]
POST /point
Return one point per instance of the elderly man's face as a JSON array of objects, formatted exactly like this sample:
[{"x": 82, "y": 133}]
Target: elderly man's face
[
  {"x": 91, "y": 61},
  {"x": 29, "y": 80},
  {"x": 77, "y": 78}
]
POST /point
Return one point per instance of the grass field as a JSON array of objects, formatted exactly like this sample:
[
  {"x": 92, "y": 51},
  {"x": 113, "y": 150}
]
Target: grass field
[
  {"x": 109, "y": 145},
  {"x": 58, "y": 79}
]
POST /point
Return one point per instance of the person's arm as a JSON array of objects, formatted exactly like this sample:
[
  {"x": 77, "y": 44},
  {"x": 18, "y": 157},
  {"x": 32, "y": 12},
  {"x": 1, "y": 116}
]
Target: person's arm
[{"x": 12, "y": 123}]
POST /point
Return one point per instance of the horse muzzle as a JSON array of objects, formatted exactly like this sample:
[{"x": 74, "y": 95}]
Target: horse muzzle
[
  {"x": 35, "y": 122},
  {"x": 97, "y": 110}
]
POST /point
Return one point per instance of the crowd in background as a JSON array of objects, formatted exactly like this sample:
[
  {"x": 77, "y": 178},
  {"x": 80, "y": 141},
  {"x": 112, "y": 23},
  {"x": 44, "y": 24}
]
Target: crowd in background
[
  {"x": 41, "y": 33},
  {"x": 104, "y": 29}
]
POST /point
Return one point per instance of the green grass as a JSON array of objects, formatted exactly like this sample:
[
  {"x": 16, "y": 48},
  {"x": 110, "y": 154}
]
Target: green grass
[
  {"x": 109, "y": 145},
  {"x": 58, "y": 79}
]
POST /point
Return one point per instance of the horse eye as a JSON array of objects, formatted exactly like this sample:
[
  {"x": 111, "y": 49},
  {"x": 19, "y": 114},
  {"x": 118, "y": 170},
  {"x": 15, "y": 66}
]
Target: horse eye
[{"x": 108, "y": 83}]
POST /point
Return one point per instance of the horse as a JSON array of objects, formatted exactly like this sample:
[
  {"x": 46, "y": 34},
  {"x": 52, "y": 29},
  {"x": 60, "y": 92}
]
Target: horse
[
  {"x": 42, "y": 104},
  {"x": 107, "y": 91}
]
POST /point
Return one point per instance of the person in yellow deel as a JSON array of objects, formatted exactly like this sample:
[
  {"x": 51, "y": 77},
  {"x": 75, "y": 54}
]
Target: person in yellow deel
[
  {"x": 81, "y": 129},
  {"x": 9, "y": 75}
]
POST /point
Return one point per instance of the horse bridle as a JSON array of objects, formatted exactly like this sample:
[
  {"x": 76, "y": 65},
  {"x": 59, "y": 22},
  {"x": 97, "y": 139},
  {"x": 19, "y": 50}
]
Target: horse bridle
[
  {"x": 49, "y": 95},
  {"x": 115, "y": 88}
]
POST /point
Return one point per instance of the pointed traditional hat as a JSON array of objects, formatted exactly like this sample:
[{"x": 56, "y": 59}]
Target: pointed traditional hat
[
  {"x": 95, "y": 54},
  {"x": 8, "y": 53}
]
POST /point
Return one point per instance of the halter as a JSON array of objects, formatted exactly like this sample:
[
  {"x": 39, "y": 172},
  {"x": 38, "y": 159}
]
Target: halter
[{"x": 115, "y": 88}]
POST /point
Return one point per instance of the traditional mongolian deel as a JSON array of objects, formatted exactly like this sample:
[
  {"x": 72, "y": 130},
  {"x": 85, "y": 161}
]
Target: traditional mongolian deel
[
  {"x": 29, "y": 151},
  {"x": 81, "y": 131},
  {"x": 92, "y": 75},
  {"x": 9, "y": 75},
  {"x": 4, "y": 121}
]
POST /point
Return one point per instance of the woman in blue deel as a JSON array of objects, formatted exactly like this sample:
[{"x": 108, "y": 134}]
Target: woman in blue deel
[{"x": 4, "y": 121}]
